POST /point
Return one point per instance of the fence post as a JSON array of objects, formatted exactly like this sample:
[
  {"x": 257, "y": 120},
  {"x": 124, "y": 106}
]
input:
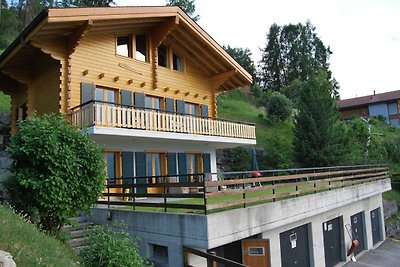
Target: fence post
[
  {"x": 133, "y": 192},
  {"x": 204, "y": 194},
  {"x": 273, "y": 188},
  {"x": 108, "y": 191},
  {"x": 244, "y": 193},
  {"x": 165, "y": 193}
]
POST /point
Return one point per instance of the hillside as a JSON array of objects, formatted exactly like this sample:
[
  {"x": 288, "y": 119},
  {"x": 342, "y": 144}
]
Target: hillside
[
  {"x": 276, "y": 138},
  {"x": 29, "y": 246}
]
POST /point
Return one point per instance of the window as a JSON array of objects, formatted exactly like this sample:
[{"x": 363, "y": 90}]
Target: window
[
  {"x": 153, "y": 102},
  {"x": 141, "y": 48},
  {"x": 162, "y": 56},
  {"x": 21, "y": 112},
  {"x": 194, "y": 165},
  {"x": 177, "y": 62},
  {"x": 124, "y": 46},
  {"x": 160, "y": 252},
  {"x": 106, "y": 96},
  {"x": 111, "y": 159},
  {"x": 192, "y": 109},
  {"x": 155, "y": 166}
]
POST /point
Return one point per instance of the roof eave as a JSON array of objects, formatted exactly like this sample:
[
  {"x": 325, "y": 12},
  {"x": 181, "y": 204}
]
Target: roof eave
[{"x": 23, "y": 36}]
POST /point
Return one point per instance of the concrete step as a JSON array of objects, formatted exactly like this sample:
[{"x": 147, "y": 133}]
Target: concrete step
[
  {"x": 77, "y": 242},
  {"x": 77, "y": 233},
  {"x": 79, "y": 226}
]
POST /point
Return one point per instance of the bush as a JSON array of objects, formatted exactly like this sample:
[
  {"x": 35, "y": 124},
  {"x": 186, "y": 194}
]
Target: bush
[
  {"x": 56, "y": 170},
  {"x": 278, "y": 106},
  {"x": 105, "y": 247}
]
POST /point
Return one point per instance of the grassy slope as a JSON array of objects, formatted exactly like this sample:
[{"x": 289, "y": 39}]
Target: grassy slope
[
  {"x": 4, "y": 102},
  {"x": 237, "y": 106},
  {"x": 29, "y": 246}
]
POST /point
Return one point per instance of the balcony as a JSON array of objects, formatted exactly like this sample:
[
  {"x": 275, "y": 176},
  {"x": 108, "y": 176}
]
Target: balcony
[{"x": 141, "y": 122}]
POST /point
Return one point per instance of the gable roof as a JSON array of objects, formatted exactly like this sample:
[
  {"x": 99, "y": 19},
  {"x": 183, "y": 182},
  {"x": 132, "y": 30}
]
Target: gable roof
[
  {"x": 188, "y": 36},
  {"x": 369, "y": 99}
]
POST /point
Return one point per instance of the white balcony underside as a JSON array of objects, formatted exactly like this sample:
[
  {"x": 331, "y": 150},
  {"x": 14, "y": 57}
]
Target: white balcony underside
[{"x": 99, "y": 133}]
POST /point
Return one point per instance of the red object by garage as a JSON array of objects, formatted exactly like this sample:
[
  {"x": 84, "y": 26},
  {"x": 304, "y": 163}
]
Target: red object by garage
[{"x": 354, "y": 245}]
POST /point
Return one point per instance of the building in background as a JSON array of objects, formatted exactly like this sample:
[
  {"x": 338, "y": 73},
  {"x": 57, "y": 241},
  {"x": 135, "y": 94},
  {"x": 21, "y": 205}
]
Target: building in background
[{"x": 386, "y": 105}]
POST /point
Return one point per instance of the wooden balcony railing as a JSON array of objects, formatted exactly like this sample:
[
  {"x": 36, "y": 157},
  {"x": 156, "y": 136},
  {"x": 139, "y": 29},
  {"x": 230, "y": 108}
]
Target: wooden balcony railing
[
  {"x": 96, "y": 113},
  {"x": 234, "y": 190}
]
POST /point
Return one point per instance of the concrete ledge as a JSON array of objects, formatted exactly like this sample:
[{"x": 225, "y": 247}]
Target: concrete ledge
[{"x": 242, "y": 223}]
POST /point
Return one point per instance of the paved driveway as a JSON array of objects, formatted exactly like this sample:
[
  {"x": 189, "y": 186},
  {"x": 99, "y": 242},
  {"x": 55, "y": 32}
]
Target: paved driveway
[{"x": 386, "y": 255}]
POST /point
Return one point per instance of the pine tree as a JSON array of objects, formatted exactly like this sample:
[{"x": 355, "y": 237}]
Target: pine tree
[{"x": 320, "y": 136}]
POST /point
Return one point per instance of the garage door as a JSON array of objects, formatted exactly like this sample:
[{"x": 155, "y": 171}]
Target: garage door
[
  {"x": 332, "y": 241},
  {"x": 357, "y": 226},
  {"x": 295, "y": 248},
  {"x": 376, "y": 225}
]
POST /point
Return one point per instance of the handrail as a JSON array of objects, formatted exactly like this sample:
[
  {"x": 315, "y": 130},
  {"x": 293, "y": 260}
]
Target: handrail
[
  {"x": 239, "y": 190},
  {"x": 159, "y": 110}
]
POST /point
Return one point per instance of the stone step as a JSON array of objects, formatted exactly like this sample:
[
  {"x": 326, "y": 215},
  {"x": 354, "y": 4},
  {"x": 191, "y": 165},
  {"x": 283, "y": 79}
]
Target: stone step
[
  {"x": 77, "y": 242},
  {"x": 79, "y": 226},
  {"x": 77, "y": 233}
]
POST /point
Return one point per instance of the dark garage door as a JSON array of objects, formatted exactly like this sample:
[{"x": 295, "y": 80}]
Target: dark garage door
[
  {"x": 376, "y": 225},
  {"x": 295, "y": 247},
  {"x": 357, "y": 226},
  {"x": 332, "y": 241}
]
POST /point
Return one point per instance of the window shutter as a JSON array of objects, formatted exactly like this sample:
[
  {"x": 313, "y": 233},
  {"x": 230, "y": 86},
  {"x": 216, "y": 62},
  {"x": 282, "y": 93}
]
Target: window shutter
[
  {"x": 171, "y": 167},
  {"x": 204, "y": 111},
  {"x": 87, "y": 92},
  {"x": 140, "y": 160},
  {"x": 127, "y": 167},
  {"x": 169, "y": 105},
  {"x": 182, "y": 165},
  {"x": 206, "y": 163},
  {"x": 139, "y": 100},
  {"x": 180, "y": 107},
  {"x": 126, "y": 98}
]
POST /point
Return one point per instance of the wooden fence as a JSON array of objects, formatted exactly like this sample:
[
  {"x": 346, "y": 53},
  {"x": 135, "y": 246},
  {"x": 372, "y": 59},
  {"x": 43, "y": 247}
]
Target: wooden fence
[
  {"x": 113, "y": 115},
  {"x": 236, "y": 189}
]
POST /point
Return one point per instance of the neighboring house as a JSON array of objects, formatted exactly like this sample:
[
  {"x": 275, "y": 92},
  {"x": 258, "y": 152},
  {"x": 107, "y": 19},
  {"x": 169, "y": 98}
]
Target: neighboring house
[
  {"x": 386, "y": 105},
  {"x": 143, "y": 82}
]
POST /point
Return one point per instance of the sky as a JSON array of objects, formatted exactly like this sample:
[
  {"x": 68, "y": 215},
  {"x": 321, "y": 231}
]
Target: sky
[{"x": 364, "y": 35}]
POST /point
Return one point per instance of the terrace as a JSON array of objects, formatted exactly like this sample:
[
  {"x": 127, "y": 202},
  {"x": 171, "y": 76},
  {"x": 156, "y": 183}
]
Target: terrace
[{"x": 205, "y": 193}]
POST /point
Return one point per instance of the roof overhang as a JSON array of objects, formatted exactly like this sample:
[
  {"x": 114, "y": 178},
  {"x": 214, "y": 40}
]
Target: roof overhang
[{"x": 191, "y": 39}]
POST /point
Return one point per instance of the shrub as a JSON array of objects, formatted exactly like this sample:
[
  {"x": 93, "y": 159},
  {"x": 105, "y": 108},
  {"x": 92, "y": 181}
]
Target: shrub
[
  {"x": 278, "y": 106},
  {"x": 105, "y": 247},
  {"x": 56, "y": 170}
]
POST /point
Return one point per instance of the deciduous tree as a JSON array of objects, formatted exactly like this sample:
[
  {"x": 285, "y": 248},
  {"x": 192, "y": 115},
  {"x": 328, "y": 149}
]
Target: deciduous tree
[{"x": 188, "y": 6}]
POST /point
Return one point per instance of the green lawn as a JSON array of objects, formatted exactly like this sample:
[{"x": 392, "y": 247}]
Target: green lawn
[
  {"x": 29, "y": 246},
  {"x": 5, "y": 101}
]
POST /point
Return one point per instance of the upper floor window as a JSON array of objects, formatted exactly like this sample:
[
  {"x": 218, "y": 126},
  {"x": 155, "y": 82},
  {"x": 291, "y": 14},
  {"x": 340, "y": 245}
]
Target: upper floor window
[
  {"x": 162, "y": 56},
  {"x": 133, "y": 46},
  {"x": 177, "y": 62},
  {"x": 153, "y": 102},
  {"x": 124, "y": 46},
  {"x": 192, "y": 109},
  {"x": 169, "y": 59}
]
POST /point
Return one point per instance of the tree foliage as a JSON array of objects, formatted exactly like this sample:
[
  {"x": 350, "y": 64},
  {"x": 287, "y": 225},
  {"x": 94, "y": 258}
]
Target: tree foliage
[
  {"x": 293, "y": 51},
  {"x": 320, "y": 137},
  {"x": 108, "y": 248},
  {"x": 56, "y": 170},
  {"x": 278, "y": 106},
  {"x": 188, "y": 6}
]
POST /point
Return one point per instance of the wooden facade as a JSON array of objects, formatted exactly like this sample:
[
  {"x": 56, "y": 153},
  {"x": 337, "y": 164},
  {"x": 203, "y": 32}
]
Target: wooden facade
[{"x": 64, "y": 48}]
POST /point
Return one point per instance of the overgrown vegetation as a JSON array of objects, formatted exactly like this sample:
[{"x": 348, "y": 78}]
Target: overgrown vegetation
[
  {"x": 108, "y": 248},
  {"x": 29, "y": 246},
  {"x": 56, "y": 170}
]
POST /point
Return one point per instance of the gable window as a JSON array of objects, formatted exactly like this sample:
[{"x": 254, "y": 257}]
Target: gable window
[
  {"x": 162, "y": 56},
  {"x": 141, "y": 48},
  {"x": 124, "y": 46},
  {"x": 177, "y": 62}
]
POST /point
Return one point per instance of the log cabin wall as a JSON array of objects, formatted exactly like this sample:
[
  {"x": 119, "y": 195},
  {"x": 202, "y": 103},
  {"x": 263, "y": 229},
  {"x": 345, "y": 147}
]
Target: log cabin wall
[
  {"x": 95, "y": 61},
  {"x": 44, "y": 91}
]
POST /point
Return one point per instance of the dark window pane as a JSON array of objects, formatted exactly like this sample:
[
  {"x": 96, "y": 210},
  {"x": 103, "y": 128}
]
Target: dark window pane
[
  {"x": 111, "y": 167},
  {"x": 162, "y": 56},
  {"x": 141, "y": 48},
  {"x": 177, "y": 62}
]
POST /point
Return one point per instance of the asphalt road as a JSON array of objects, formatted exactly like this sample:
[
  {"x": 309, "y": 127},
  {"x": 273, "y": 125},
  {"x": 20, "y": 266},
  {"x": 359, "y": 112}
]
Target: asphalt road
[{"x": 386, "y": 255}]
